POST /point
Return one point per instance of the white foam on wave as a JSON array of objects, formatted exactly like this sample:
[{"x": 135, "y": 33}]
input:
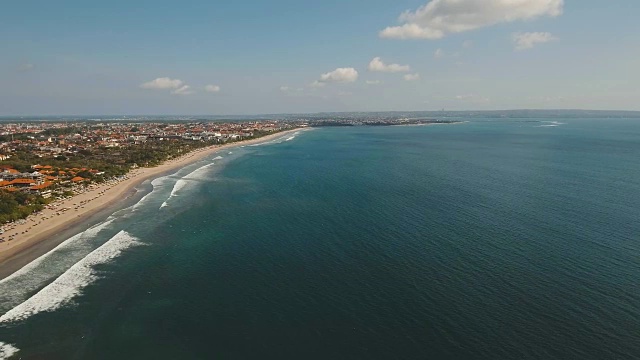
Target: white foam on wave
[
  {"x": 70, "y": 284},
  {"x": 72, "y": 241},
  {"x": 267, "y": 143},
  {"x": 7, "y": 351},
  {"x": 230, "y": 152},
  {"x": 16, "y": 287},
  {"x": 156, "y": 184},
  {"x": 278, "y": 140},
  {"x": 160, "y": 181},
  {"x": 218, "y": 158},
  {"x": 179, "y": 185},
  {"x": 197, "y": 174},
  {"x": 551, "y": 124}
]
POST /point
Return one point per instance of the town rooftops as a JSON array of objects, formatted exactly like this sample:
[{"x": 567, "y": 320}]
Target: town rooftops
[
  {"x": 41, "y": 186},
  {"x": 22, "y": 181}
]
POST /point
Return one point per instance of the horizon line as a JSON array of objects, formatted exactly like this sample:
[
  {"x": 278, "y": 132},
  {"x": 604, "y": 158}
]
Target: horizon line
[{"x": 320, "y": 112}]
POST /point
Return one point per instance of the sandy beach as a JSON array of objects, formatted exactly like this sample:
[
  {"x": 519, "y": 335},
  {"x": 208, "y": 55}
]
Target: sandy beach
[{"x": 63, "y": 214}]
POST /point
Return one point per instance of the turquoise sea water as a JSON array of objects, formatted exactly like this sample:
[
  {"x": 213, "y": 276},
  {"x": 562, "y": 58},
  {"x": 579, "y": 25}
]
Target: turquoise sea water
[{"x": 492, "y": 239}]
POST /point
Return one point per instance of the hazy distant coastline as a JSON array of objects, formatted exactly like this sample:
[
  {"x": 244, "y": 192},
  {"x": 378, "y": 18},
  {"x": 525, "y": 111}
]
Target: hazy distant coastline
[{"x": 442, "y": 114}]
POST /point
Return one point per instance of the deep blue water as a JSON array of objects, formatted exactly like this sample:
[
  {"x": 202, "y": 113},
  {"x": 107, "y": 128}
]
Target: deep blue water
[{"x": 484, "y": 240}]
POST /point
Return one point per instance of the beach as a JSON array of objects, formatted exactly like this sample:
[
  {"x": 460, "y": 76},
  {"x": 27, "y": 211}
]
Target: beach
[{"x": 36, "y": 230}]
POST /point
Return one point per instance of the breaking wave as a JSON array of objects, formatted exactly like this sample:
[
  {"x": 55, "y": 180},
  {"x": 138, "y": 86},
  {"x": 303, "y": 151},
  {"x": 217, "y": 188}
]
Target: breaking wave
[
  {"x": 70, "y": 284},
  {"x": 279, "y": 140},
  {"x": 15, "y": 287},
  {"x": 551, "y": 124},
  {"x": 157, "y": 183},
  {"x": 197, "y": 174}
]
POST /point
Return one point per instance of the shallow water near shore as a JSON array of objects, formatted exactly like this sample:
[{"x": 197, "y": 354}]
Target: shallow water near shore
[{"x": 484, "y": 240}]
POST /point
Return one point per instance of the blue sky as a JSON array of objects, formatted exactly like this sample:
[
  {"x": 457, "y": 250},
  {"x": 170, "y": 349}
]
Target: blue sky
[{"x": 210, "y": 57}]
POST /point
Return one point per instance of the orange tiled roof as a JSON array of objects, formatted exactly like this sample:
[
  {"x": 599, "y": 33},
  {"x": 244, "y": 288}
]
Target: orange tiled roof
[
  {"x": 22, "y": 181},
  {"x": 77, "y": 179},
  {"x": 41, "y": 186}
]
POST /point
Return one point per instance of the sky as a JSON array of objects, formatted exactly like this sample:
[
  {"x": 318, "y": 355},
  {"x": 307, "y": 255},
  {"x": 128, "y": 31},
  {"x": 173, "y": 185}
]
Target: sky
[{"x": 205, "y": 57}]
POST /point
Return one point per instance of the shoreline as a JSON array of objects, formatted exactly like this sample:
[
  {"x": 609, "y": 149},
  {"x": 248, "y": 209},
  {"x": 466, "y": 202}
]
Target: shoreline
[{"x": 39, "y": 230}]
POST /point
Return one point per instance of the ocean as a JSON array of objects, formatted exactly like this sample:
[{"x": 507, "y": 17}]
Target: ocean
[{"x": 489, "y": 239}]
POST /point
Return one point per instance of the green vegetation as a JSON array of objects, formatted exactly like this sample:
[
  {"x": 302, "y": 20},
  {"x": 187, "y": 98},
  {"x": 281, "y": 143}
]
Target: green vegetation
[
  {"x": 18, "y": 205},
  {"x": 113, "y": 161},
  {"x": 152, "y": 153}
]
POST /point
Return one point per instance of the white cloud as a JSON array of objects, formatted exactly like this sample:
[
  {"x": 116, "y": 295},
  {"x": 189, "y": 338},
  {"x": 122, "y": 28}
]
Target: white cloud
[
  {"x": 373, "y": 82},
  {"x": 343, "y": 75},
  {"x": 212, "y": 88},
  {"x": 378, "y": 65},
  {"x": 438, "y": 18},
  {"x": 163, "y": 83},
  {"x": 339, "y": 75},
  {"x": 285, "y": 89},
  {"x": 467, "y": 44},
  {"x": 523, "y": 41},
  {"x": 410, "y": 31},
  {"x": 317, "y": 84},
  {"x": 183, "y": 90},
  {"x": 25, "y": 67},
  {"x": 438, "y": 53},
  {"x": 412, "y": 77}
]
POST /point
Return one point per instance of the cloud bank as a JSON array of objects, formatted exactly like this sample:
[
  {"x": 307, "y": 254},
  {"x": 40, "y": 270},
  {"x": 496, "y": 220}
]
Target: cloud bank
[
  {"x": 378, "y": 65},
  {"x": 183, "y": 90},
  {"x": 439, "y": 18},
  {"x": 163, "y": 83},
  {"x": 339, "y": 75},
  {"x": 212, "y": 88}
]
